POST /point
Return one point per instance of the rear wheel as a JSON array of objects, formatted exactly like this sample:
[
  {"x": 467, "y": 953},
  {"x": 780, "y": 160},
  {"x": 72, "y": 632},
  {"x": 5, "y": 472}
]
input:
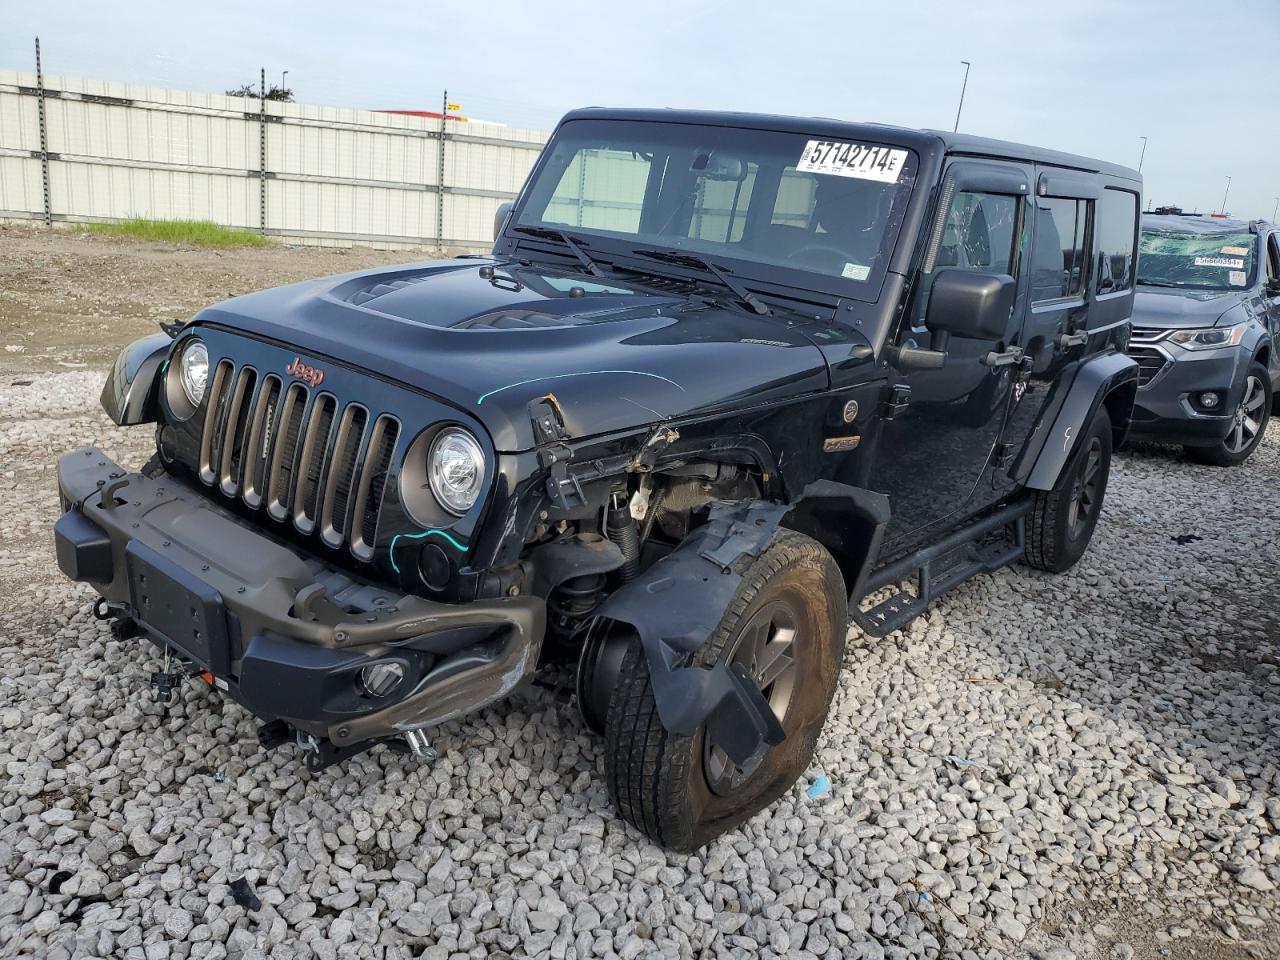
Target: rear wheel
[
  {"x": 786, "y": 627},
  {"x": 1248, "y": 423},
  {"x": 1061, "y": 522}
]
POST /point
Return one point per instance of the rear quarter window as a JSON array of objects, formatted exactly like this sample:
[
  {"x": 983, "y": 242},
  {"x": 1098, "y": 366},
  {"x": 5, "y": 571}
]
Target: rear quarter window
[{"x": 1115, "y": 241}]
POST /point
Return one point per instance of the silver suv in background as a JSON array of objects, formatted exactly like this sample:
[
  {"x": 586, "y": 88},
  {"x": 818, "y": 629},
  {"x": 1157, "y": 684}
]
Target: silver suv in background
[{"x": 1206, "y": 334}]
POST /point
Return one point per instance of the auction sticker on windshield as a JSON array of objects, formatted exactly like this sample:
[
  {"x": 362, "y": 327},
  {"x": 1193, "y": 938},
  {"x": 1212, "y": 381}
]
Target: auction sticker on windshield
[
  {"x": 859, "y": 160},
  {"x": 1229, "y": 263}
]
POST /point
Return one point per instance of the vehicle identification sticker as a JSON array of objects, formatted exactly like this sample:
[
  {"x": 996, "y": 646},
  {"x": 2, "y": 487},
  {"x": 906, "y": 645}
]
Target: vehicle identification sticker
[
  {"x": 1230, "y": 263},
  {"x": 1237, "y": 278},
  {"x": 1236, "y": 251},
  {"x": 855, "y": 271},
  {"x": 859, "y": 160}
]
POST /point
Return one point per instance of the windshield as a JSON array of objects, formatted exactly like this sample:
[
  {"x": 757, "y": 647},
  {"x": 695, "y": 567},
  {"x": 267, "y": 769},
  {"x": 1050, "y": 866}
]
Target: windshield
[
  {"x": 753, "y": 200},
  {"x": 1220, "y": 261}
]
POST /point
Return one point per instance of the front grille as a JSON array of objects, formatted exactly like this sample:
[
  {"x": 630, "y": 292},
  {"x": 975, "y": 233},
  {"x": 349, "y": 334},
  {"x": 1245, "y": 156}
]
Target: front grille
[
  {"x": 1143, "y": 336},
  {"x": 1150, "y": 362},
  {"x": 299, "y": 454}
]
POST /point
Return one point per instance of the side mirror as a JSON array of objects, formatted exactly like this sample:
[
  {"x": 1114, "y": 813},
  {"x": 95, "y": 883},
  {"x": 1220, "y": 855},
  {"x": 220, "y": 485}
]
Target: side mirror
[
  {"x": 974, "y": 306},
  {"x": 500, "y": 218}
]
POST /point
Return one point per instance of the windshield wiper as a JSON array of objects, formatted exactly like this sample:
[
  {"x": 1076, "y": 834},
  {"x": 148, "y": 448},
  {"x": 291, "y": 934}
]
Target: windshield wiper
[
  {"x": 550, "y": 233},
  {"x": 1158, "y": 283},
  {"x": 694, "y": 260}
]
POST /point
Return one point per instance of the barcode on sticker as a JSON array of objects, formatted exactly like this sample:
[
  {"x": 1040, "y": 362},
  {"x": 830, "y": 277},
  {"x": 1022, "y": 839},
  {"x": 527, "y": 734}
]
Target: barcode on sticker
[
  {"x": 860, "y": 160},
  {"x": 1237, "y": 278}
]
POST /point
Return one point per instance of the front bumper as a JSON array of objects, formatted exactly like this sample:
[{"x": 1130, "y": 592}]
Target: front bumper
[
  {"x": 1163, "y": 409},
  {"x": 282, "y": 633}
]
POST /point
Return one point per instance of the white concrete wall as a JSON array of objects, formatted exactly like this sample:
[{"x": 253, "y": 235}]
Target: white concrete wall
[{"x": 333, "y": 175}]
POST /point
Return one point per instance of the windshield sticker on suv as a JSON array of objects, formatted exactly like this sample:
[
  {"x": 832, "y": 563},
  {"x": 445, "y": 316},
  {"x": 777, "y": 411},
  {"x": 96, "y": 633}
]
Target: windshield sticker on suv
[
  {"x": 1230, "y": 263},
  {"x": 855, "y": 271},
  {"x": 859, "y": 160},
  {"x": 1237, "y": 278},
  {"x": 1236, "y": 251}
]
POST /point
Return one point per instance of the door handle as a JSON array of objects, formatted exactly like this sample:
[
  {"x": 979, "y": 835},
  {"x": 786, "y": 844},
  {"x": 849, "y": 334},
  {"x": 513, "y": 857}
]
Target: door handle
[
  {"x": 1068, "y": 340},
  {"x": 1006, "y": 358}
]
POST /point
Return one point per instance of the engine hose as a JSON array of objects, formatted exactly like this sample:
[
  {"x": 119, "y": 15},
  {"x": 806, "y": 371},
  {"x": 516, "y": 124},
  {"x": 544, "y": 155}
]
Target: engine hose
[{"x": 621, "y": 528}]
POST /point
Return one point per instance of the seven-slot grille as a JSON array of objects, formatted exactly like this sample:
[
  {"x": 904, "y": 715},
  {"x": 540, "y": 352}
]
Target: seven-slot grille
[
  {"x": 299, "y": 454},
  {"x": 1151, "y": 361}
]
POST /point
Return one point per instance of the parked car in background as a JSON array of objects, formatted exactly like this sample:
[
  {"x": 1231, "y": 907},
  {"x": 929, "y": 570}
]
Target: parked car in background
[
  {"x": 1206, "y": 334},
  {"x": 723, "y": 378}
]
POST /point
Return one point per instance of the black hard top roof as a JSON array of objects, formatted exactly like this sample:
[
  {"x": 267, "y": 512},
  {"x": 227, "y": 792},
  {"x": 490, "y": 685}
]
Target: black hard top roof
[{"x": 956, "y": 143}]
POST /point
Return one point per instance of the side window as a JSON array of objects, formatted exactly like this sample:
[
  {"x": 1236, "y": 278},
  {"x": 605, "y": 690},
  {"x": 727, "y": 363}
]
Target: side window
[
  {"x": 979, "y": 233},
  {"x": 719, "y": 207},
  {"x": 1273, "y": 257},
  {"x": 618, "y": 174},
  {"x": 1115, "y": 240},
  {"x": 1058, "y": 254}
]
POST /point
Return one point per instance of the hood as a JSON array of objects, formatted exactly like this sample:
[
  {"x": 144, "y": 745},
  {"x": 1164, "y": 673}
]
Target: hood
[
  {"x": 1171, "y": 309},
  {"x": 488, "y": 337}
]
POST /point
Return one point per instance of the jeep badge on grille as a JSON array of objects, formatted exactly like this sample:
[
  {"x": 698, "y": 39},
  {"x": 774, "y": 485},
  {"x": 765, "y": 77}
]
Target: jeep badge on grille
[{"x": 303, "y": 371}]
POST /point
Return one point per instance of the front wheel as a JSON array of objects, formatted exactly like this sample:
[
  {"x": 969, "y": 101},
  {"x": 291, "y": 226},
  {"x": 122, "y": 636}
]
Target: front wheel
[
  {"x": 1248, "y": 423},
  {"x": 1061, "y": 520},
  {"x": 786, "y": 627}
]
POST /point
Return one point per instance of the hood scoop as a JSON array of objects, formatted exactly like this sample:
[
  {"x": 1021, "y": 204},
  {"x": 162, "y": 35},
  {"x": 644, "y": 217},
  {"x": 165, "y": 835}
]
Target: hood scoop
[{"x": 363, "y": 294}]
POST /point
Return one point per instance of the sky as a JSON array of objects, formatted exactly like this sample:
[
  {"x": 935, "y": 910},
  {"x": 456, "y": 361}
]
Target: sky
[{"x": 1198, "y": 79}]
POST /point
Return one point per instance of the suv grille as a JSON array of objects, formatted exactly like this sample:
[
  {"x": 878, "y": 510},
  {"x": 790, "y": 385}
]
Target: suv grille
[
  {"x": 1151, "y": 361},
  {"x": 298, "y": 454}
]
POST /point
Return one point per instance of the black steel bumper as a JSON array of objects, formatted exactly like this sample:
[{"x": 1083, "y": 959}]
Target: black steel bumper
[
  {"x": 281, "y": 632},
  {"x": 1165, "y": 409}
]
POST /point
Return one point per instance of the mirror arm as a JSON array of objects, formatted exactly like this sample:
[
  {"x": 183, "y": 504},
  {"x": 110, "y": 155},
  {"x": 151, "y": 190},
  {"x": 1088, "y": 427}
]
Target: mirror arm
[{"x": 907, "y": 359}]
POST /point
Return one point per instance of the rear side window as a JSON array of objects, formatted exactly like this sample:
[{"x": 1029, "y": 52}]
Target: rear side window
[
  {"x": 1058, "y": 254},
  {"x": 1115, "y": 240}
]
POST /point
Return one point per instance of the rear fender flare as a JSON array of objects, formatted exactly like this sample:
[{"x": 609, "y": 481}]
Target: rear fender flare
[{"x": 1112, "y": 379}]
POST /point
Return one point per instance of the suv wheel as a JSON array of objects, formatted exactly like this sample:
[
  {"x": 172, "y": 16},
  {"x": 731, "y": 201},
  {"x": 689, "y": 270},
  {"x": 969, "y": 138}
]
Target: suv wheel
[
  {"x": 1248, "y": 423},
  {"x": 786, "y": 625},
  {"x": 1061, "y": 520}
]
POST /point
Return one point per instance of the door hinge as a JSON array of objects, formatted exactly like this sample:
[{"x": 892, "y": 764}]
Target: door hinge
[
  {"x": 1003, "y": 454},
  {"x": 898, "y": 400}
]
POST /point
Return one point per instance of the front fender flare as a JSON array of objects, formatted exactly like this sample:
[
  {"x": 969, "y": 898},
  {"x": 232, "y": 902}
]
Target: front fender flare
[{"x": 129, "y": 396}]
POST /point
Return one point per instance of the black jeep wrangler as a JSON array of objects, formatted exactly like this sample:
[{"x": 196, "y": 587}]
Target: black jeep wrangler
[{"x": 725, "y": 382}]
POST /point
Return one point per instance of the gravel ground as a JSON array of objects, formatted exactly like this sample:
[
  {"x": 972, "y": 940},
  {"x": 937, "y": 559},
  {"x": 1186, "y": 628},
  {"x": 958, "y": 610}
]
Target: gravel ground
[{"x": 1075, "y": 766}]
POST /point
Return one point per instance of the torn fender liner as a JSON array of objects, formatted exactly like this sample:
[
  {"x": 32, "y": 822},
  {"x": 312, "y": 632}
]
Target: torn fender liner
[{"x": 674, "y": 607}]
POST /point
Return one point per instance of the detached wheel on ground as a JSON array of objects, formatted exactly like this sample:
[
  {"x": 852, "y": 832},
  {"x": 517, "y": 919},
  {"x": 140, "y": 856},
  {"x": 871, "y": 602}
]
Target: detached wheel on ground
[
  {"x": 1061, "y": 520},
  {"x": 1248, "y": 423},
  {"x": 786, "y": 626}
]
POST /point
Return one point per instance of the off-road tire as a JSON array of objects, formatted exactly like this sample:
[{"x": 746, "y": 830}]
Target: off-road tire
[
  {"x": 1053, "y": 542},
  {"x": 657, "y": 780},
  {"x": 1220, "y": 455}
]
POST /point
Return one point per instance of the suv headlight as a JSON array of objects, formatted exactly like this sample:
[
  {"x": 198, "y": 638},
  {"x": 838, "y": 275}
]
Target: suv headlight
[
  {"x": 193, "y": 370},
  {"x": 1207, "y": 338},
  {"x": 456, "y": 469}
]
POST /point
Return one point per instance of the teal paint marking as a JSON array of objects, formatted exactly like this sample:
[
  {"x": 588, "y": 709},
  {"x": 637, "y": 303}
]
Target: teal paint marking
[
  {"x": 391, "y": 551},
  {"x": 587, "y": 373}
]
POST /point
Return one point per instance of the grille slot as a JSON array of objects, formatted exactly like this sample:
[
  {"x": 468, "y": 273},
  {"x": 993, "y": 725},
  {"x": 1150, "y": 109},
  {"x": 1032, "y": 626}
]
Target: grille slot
[
  {"x": 214, "y": 419},
  {"x": 302, "y": 456},
  {"x": 258, "y": 443},
  {"x": 311, "y": 462},
  {"x": 342, "y": 470},
  {"x": 372, "y": 484},
  {"x": 1150, "y": 362},
  {"x": 1141, "y": 336}
]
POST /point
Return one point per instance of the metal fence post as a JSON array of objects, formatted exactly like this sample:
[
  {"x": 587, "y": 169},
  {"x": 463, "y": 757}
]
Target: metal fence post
[
  {"x": 444, "y": 119},
  {"x": 44, "y": 138},
  {"x": 262, "y": 154}
]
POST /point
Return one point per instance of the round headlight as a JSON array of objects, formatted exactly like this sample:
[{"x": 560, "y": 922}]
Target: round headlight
[
  {"x": 193, "y": 371},
  {"x": 456, "y": 470}
]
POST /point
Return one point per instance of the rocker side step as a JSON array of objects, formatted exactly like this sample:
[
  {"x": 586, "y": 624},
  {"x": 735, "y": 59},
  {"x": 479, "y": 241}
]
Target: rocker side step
[{"x": 901, "y": 608}]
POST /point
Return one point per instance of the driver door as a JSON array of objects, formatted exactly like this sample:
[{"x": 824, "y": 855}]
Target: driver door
[{"x": 933, "y": 455}]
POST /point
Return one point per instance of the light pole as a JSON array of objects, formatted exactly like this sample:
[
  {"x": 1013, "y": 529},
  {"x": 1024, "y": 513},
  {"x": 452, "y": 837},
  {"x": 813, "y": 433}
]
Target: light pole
[
  {"x": 1275, "y": 210},
  {"x": 285, "y": 73},
  {"x": 964, "y": 86},
  {"x": 1224, "y": 196},
  {"x": 1144, "y": 153}
]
